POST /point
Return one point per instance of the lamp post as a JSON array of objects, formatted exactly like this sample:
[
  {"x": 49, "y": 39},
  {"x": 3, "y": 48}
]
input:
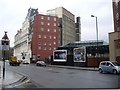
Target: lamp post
[
  {"x": 96, "y": 33},
  {"x": 5, "y": 47}
]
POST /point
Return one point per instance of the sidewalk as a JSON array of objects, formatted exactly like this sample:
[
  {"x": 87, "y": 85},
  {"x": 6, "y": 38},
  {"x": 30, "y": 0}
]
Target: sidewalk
[{"x": 11, "y": 79}]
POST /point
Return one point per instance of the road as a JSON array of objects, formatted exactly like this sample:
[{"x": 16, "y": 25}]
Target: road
[{"x": 51, "y": 77}]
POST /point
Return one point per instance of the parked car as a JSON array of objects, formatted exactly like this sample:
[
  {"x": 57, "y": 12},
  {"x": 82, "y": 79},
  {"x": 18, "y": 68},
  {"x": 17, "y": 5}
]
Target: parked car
[
  {"x": 25, "y": 62},
  {"x": 40, "y": 63},
  {"x": 109, "y": 66}
]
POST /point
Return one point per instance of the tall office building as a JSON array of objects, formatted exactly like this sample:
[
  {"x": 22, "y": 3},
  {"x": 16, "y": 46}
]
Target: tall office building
[
  {"x": 114, "y": 37},
  {"x": 66, "y": 24}
]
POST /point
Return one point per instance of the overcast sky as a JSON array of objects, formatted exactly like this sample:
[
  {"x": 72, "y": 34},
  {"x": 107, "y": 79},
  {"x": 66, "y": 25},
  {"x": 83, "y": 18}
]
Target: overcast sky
[{"x": 13, "y": 13}]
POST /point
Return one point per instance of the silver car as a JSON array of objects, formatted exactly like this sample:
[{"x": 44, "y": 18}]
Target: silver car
[
  {"x": 40, "y": 63},
  {"x": 109, "y": 66}
]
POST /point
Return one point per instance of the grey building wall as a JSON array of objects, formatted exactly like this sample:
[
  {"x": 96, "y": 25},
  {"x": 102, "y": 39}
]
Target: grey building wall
[
  {"x": 68, "y": 32},
  {"x": 114, "y": 45}
]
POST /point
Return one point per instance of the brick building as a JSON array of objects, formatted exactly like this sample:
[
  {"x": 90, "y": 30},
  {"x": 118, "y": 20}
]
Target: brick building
[{"x": 45, "y": 37}]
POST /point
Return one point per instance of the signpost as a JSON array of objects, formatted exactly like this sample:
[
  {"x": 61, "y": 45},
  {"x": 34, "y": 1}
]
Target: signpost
[{"x": 5, "y": 47}]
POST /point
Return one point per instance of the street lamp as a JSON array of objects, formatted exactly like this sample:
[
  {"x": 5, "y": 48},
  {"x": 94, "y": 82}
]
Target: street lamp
[
  {"x": 5, "y": 47},
  {"x": 96, "y": 32}
]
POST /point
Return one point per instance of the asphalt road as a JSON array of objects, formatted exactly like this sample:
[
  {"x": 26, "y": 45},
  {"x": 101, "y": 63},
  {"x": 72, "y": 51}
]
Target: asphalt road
[{"x": 51, "y": 77}]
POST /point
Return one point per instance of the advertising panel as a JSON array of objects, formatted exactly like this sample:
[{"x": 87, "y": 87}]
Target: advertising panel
[
  {"x": 60, "y": 55},
  {"x": 79, "y": 54}
]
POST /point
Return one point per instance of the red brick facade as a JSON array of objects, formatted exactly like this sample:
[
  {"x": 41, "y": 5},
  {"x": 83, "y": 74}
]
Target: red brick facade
[
  {"x": 116, "y": 15},
  {"x": 45, "y": 37}
]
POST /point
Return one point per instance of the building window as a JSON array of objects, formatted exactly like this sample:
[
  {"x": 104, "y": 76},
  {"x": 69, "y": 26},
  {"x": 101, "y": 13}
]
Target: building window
[
  {"x": 42, "y": 17},
  {"x": 39, "y": 48},
  {"x": 39, "y": 43},
  {"x": 42, "y": 23},
  {"x": 54, "y": 48},
  {"x": 48, "y": 18},
  {"x": 54, "y": 37},
  {"x": 50, "y": 37},
  {"x": 55, "y": 19},
  {"x": 45, "y": 36},
  {"x": 54, "y": 43},
  {"x": 54, "y": 30},
  {"x": 54, "y": 24},
  {"x": 48, "y": 29},
  {"x": 39, "y": 36},
  {"x": 42, "y": 29},
  {"x": 45, "y": 44},
  {"x": 48, "y": 24}
]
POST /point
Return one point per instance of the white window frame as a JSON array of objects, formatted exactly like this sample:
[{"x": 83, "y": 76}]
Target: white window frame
[
  {"x": 48, "y": 18},
  {"x": 42, "y": 17}
]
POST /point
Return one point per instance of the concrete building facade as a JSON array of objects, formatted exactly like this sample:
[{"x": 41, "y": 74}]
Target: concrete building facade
[
  {"x": 67, "y": 24},
  {"x": 114, "y": 37},
  {"x": 22, "y": 43}
]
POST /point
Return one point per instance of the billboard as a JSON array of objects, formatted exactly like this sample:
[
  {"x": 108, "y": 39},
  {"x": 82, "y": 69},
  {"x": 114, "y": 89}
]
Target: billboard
[
  {"x": 79, "y": 54},
  {"x": 60, "y": 56}
]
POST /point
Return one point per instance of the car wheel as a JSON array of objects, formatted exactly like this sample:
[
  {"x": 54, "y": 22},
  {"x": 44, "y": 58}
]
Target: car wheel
[
  {"x": 114, "y": 71},
  {"x": 100, "y": 70}
]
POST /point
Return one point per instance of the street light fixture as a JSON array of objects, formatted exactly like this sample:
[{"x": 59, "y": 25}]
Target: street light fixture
[{"x": 96, "y": 32}]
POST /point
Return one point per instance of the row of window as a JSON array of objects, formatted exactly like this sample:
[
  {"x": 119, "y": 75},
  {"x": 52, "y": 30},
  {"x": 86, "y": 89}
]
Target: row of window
[
  {"x": 54, "y": 24},
  {"x": 49, "y": 18},
  {"x": 45, "y": 48},
  {"x": 48, "y": 37},
  {"x": 54, "y": 30},
  {"x": 39, "y": 43}
]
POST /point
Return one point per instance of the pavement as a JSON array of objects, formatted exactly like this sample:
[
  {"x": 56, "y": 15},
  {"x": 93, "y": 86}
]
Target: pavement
[{"x": 13, "y": 79}]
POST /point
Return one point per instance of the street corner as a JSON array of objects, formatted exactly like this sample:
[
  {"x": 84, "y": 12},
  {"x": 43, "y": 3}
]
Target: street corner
[
  {"x": 18, "y": 83},
  {"x": 13, "y": 79}
]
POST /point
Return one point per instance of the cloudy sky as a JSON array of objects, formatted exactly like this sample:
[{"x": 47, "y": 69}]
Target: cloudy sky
[{"x": 13, "y": 13}]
